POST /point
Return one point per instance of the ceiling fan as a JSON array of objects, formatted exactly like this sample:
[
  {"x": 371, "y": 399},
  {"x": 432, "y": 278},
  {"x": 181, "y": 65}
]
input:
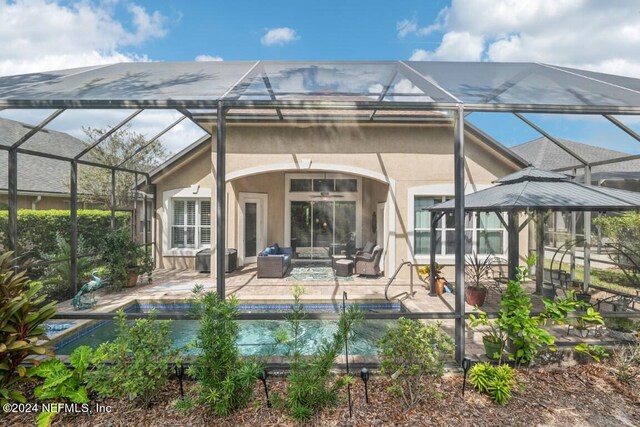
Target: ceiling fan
[{"x": 326, "y": 195}]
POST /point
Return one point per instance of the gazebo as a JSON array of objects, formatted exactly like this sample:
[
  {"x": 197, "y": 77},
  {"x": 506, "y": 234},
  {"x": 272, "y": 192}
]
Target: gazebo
[{"x": 534, "y": 192}]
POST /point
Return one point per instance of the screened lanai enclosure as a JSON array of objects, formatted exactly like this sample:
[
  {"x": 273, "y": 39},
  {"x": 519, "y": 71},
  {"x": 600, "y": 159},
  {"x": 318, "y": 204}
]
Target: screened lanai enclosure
[{"x": 215, "y": 97}]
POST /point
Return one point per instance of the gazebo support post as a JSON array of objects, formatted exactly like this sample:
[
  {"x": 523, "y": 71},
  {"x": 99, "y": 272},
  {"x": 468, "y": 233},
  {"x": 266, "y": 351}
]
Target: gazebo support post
[
  {"x": 432, "y": 253},
  {"x": 458, "y": 143},
  {"x": 539, "y": 251},
  {"x": 220, "y": 199},
  {"x": 586, "y": 262},
  {"x": 514, "y": 244}
]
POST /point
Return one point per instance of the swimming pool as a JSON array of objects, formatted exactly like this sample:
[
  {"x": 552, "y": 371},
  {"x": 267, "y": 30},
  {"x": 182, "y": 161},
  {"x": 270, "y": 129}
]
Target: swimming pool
[{"x": 256, "y": 337}]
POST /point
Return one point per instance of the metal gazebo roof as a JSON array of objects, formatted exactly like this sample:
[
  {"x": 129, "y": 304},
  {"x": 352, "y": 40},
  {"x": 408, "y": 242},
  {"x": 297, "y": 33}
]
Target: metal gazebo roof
[{"x": 534, "y": 189}]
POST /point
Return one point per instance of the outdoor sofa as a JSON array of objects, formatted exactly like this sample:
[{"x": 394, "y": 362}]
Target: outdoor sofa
[{"x": 274, "y": 261}]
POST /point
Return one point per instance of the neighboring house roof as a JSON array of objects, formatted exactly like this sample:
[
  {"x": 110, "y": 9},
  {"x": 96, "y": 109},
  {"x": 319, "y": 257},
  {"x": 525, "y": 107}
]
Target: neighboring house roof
[
  {"x": 206, "y": 140},
  {"x": 542, "y": 153},
  {"x": 38, "y": 174}
]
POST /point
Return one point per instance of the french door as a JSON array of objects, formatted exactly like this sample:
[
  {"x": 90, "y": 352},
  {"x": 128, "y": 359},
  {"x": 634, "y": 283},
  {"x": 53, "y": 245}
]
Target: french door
[{"x": 252, "y": 226}]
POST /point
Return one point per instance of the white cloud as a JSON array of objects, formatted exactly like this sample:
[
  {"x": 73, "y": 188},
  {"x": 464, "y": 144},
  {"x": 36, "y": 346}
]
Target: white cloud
[
  {"x": 208, "y": 58},
  {"x": 587, "y": 34},
  {"x": 39, "y": 35},
  {"x": 455, "y": 46},
  {"x": 279, "y": 36},
  {"x": 406, "y": 26}
]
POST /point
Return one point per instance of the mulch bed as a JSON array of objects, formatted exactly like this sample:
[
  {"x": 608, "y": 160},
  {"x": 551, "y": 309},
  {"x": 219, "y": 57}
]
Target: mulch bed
[{"x": 584, "y": 395}]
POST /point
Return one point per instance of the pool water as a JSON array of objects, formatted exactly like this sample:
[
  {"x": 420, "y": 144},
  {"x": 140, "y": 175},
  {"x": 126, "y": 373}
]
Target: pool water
[{"x": 256, "y": 337}]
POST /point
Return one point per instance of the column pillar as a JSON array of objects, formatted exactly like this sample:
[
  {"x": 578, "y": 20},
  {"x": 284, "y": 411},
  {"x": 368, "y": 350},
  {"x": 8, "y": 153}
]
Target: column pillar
[
  {"x": 220, "y": 199},
  {"x": 458, "y": 154}
]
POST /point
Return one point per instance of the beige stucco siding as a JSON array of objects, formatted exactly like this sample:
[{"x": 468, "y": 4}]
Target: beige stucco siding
[{"x": 399, "y": 157}]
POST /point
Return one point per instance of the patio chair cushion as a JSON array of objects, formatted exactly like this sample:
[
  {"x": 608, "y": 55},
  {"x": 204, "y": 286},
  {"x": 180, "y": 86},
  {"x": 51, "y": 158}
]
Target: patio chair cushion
[
  {"x": 267, "y": 251},
  {"x": 368, "y": 247}
]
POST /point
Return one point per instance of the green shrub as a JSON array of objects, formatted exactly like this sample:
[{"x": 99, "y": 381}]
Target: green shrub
[
  {"x": 226, "y": 381},
  {"x": 21, "y": 318},
  {"x": 120, "y": 253},
  {"x": 596, "y": 352},
  {"x": 526, "y": 333},
  {"x": 412, "y": 352},
  {"x": 622, "y": 324},
  {"x": 312, "y": 386},
  {"x": 138, "y": 359},
  {"x": 60, "y": 382},
  {"x": 37, "y": 230},
  {"x": 624, "y": 232},
  {"x": 496, "y": 381}
]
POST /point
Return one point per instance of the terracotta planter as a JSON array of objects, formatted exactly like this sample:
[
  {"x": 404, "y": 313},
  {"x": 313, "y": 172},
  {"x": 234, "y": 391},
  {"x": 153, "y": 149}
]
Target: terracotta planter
[
  {"x": 132, "y": 276},
  {"x": 475, "y": 296},
  {"x": 440, "y": 286}
]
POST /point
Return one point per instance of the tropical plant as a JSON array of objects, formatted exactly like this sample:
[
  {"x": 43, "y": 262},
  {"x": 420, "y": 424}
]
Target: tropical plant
[
  {"x": 425, "y": 271},
  {"x": 57, "y": 276},
  {"x": 596, "y": 352},
  {"x": 477, "y": 270},
  {"x": 412, "y": 352},
  {"x": 60, "y": 382},
  {"x": 496, "y": 381},
  {"x": 138, "y": 357},
  {"x": 21, "y": 330},
  {"x": 311, "y": 384},
  {"x": 590, "y": 317},
  {"x": 527, "y": 333},
  {"x": 226, "y": 381},
  {"x": 491, "y": 331}
]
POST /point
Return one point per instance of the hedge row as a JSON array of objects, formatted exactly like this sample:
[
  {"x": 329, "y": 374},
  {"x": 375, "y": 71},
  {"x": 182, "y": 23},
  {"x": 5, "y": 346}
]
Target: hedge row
[{"x": 37, "y": 229}]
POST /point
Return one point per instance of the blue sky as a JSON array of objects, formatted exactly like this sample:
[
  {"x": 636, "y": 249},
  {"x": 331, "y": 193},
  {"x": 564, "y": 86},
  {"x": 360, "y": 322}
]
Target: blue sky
[{"x": 42, "y": 35}]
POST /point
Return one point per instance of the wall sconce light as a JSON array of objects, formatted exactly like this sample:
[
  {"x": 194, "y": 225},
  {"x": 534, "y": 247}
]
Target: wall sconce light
[
  {"x": 263, "y": 378},
  {"x": 364, "y": 374},
  {"x": 466, "y": 365}
]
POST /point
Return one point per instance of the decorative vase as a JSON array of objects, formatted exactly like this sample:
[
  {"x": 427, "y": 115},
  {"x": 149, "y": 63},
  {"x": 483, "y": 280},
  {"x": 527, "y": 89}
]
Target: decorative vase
[
  {"x": 491, "y": 348},
  {"x": 475, "y": 296}
]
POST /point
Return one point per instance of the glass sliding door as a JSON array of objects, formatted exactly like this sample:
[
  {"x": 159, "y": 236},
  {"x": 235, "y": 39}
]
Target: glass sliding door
[{"x": 321, "y": 228}]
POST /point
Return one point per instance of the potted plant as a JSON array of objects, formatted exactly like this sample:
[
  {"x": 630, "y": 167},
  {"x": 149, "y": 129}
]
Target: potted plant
[
  {"x": 493, "y": 337},
  {"x": 477, "y": 271},
  {"x": 123, "y": 258},
  {"x": 588, "y": 319},
  {"x": 425, "y": 272}
]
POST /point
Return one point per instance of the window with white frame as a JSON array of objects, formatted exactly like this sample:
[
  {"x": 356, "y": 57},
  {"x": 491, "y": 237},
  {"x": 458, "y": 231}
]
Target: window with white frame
[
  {"x": 484, "y": 233},
  {"x": 191, "y": 223}
]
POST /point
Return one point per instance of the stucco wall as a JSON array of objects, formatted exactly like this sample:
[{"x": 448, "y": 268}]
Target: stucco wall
[{"x": 407, "y": 156}]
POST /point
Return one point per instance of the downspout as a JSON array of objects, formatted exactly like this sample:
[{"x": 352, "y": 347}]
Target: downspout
[{"x": 35, "y": 202}]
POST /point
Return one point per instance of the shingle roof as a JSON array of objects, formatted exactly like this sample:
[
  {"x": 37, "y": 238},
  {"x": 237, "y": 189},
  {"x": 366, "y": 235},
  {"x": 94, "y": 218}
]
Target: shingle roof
[
  {"x": 543, "y": 153},
  {"x": 38, "y": 174}
]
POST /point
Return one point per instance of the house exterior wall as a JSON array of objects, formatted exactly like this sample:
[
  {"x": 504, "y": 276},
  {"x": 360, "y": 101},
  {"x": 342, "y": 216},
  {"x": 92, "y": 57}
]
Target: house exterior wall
[{"x": 402, "y": 157}]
